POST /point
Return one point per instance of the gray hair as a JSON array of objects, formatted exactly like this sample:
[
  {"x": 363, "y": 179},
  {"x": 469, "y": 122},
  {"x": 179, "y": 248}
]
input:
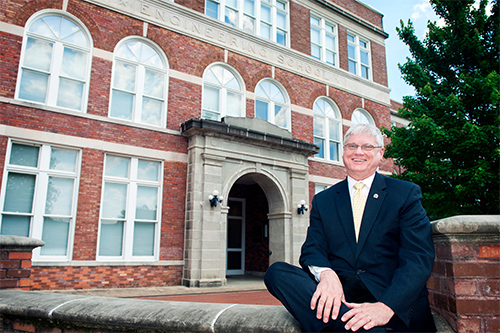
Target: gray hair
[{"x": 367, "y": 129}]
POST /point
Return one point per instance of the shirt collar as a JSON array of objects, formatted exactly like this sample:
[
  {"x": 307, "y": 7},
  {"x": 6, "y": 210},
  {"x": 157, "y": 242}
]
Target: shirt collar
[{"x": 367, "y": 181}]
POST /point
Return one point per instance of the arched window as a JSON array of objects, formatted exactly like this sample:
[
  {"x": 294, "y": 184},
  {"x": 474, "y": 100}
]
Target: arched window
[
  {"x": 361, "y": 116},
  {"x": 271, "y": 104},
  {"x": 139, "y": 87},
  {"x": 327, "y": 130},
  {"x": 222, "y": 94},
  {"x": 55, "y": 61}
]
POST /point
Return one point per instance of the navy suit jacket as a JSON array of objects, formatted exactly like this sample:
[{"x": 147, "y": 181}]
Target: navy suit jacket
[{"x": 395, "y": 252}]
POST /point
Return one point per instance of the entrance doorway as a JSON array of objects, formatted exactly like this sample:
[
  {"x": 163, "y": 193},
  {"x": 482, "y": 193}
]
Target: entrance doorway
[{"x": 247, "y": 229}]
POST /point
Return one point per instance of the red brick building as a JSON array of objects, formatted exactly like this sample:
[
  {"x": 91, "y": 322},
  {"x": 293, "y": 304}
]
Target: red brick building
[{"x": 119, "y": 118}]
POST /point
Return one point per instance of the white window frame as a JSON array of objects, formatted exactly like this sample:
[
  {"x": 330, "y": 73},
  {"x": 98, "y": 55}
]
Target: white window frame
[
  {"x": 324, "y": 33},
  {"x": 129, "y": 221},
  {"x": 223, "y": 93},
  {"x": 326, "y": 125},
  {"x": 42, "y": 173},
  {"x": 277, "y": 7},
  {"x": 361, "y": 116},
  {"x": 55, "y": 73},
  {"x": 357, "y": 44},
  {"x": 138, "y": 93},
  {"x": 272, "y": 103}
]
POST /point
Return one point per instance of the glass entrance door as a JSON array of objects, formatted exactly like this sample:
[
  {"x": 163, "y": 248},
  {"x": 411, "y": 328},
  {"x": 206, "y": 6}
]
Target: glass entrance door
[{"x": 236, "y": 237}]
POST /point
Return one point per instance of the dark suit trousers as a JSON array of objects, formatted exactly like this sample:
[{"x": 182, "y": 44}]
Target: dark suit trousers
[{"x": 294, "y": 287}]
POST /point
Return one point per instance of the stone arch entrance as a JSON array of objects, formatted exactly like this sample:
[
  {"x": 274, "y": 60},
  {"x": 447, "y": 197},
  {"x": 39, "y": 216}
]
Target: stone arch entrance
[{"x": 224, "y": 156}]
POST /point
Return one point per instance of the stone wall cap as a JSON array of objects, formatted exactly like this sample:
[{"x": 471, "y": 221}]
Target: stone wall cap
[
  {"x": 467, "y": 224},
  {"x": 122, "y": 314},
  {"x": 19, "y": 243}
]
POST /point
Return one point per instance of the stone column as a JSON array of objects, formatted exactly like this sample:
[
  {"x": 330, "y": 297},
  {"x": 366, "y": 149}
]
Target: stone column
[
  {"x": 15, "y": 261},
  {"x": 464, "y": 285}
]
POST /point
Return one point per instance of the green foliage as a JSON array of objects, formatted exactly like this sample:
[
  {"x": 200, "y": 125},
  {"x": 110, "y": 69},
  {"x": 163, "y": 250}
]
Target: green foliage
[{"x": 451, "y": 147}]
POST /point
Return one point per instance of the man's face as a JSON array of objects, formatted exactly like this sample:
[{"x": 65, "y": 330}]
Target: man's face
[{"x": 361, "y": 164}]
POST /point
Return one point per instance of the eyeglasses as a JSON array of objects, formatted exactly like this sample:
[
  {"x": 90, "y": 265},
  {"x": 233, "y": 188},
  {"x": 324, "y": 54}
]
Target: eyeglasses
[{"x": 365, "y": 147}]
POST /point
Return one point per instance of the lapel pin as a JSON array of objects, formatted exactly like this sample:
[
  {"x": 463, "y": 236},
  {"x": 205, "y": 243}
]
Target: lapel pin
[{"x": 375, "y": 196}]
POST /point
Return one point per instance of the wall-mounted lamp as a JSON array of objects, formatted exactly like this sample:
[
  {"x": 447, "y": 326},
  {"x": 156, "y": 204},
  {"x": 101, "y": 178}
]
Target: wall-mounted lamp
[
  {"x": 214, "y": 198},
  {"x": 302, "y": 207}
]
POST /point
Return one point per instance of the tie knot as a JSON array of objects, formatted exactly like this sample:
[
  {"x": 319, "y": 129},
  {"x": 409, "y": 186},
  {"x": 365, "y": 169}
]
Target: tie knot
[{"x": 359, "y": 186}]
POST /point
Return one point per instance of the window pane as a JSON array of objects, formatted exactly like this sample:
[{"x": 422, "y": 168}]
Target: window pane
[
  {"x": 315, "y": 36},
  {"x": 71, "y": 33},
  {"x": 110, "y": 243},
  {"x": 124, "y": 76},
  {"x": 232, "y": 3},
  {"x": 249, "y": 7},
  {"x": 19, "y": 193},
  {"x": 144, "y": 236},
  {"x": 234, "y": 104},
  {"x": 352, "y": 67},
  {"x": 231, "y": 17},
  {"x": 350, "y": 38},
  {"x": 351, "y": 50},
  {"x": 249, "y": 24},
  {"x": 16, "y": 225},
  {"x": 122, "y": 104},
  {"x": 280, "y": 37},
  {"x": 210, "y": 98},
  {"x": 261, "y": 110},
  {"x": 315, "y": 51},
  {"x": 55, "y": 235},
  {"x": 38, "y": 54},
  {"x": 314, "y": 21},
  {"x": 117, "y": 166},
  {"x": 210, "y": 115},
  {"x": 329, "y": 28},
  {"x": 63, "y": 159},
  {"x": 147, "y": 202},
  {"x": 363, "y": 44},
  {"x": 334, "y": 151},
  {"x": 265, "y": 13},
  {"x": 74, "y": 64},
  {"x": 364, "y": 57},
  {"x": 320, "y": 143},
  {"x": 280, "y": 5},
  {"x": 24, "y": 155},
  {"x": 212, "y": 9},
  {"x": 334, "y": 130},
  {"x": 365, "y": 72},
  {"x": 330, "y": 58},
  {"x": 33, "y": 86},
  {"x": 319, "y": 126},
  {"x": 70, "y": 94},
  {"x": 151, "y": 111},
  {"x": 148, "y": 170},
  {"x": 280, "y": 116},
  {"x": 114, "y": 200},
  {"x": 330, "y": 42},
  {"x": 40, "y": 27},
  {"x": 153, "y": 85},
  {"x": 281, "y": 20},
  {"x": 265, "y": 31},
  {"x": 59, "y": 196}
]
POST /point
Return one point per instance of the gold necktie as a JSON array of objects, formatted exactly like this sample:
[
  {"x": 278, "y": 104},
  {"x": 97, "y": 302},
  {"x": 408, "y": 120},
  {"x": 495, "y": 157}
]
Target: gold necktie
[{"x": 358, "y": 207}]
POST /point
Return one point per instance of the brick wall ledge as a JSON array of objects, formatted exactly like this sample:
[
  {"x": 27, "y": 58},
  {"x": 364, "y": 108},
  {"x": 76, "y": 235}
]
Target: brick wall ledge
[
  {"x": 19, "y": 243},
  {"x": 82, "y": 313},
  {"x": 467, "y": 225},
  {"x": 27, "y": 310}
]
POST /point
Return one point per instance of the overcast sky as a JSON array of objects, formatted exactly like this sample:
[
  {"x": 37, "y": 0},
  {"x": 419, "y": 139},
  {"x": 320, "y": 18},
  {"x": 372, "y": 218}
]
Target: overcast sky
[{"x": 419, "y": 12}]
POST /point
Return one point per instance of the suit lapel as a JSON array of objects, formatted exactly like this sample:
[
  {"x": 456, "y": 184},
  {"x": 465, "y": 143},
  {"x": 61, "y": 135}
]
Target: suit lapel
[
  {"x": 343, "y": 201},
  {"x": 373, "y": 204}
]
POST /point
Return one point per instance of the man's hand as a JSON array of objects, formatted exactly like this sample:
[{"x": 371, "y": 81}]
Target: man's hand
[
  {"x": 366, "y": 315},
  {"x": 328, "y": 296}
]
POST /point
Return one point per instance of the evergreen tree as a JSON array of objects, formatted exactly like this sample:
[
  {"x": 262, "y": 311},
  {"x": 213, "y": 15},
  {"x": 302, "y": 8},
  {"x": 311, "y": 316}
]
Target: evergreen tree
[{"x": 451, "y": 146}]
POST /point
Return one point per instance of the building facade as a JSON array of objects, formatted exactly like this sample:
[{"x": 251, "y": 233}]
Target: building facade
[{"x": 155, "y": 143}]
